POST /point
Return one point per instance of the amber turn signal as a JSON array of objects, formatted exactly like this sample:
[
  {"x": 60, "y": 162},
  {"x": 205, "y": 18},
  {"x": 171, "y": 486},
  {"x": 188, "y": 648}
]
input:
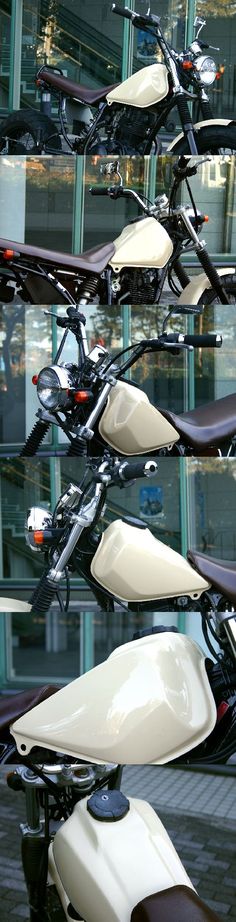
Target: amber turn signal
[
  {"x": 81, "y": 396},
  {"x": 8, "y": 254},
  {"x": 38, "y": 537},
  {"x": 187, "y": 65}
]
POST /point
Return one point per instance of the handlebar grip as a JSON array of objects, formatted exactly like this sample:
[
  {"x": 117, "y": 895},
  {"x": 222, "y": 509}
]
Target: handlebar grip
[
  {"x": 127, "y": 14},
  {"x": 204, "y": 341},
  {"x": 99, "y": 190},
  {"x": 133, "y": 470}
]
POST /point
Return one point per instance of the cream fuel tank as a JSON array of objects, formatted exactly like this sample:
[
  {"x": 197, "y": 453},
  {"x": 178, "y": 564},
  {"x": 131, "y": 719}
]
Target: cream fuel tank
[
  {"x": 131, "y": 425},
  {"x": 144, "y": 243},
  {"x": 148, "y": 703}
]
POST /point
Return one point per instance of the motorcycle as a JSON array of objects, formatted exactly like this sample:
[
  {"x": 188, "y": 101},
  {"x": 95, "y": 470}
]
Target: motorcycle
[
  {"x": 127, "y": 563},
  {"x": 133, "y": 269},
  {"x": 88, "y": 851},
  {"x": 96, "y": 407},
  {"x": 127, "y": 117}
]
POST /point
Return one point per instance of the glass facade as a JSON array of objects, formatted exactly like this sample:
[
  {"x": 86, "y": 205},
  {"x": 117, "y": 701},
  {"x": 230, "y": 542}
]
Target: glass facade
[
  {"x": 47, "y": 201},
  {"x": 95, "y": 48}
]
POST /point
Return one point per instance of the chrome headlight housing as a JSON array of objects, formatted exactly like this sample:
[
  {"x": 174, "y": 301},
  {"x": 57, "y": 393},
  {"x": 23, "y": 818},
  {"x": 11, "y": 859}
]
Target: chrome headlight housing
[
  {"x": 53, "y": 387},
  {"x": 206, "y": 68},
  {"x": 38, "y": 520}
]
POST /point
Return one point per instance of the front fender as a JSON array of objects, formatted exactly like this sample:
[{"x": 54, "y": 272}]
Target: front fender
[
  {"x": 13, "y": 605},
  {"x": 204, "y": 124},
  {"x": 195, "y": 288}
]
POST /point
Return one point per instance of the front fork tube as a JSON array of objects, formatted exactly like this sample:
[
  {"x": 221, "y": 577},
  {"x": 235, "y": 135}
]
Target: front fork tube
[
  {"x": 186, "y": 122},
  {"x": 34, "y": 853},
  {"x": 204, "y": 259}
]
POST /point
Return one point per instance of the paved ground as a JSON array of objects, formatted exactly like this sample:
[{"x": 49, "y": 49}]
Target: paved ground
[{"x": 199, "y": 812}]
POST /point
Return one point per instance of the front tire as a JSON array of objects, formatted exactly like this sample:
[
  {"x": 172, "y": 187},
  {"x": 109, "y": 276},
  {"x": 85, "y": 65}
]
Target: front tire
[
  {"x": 29, "y": 132},
  {"x": 209, "y": 296},
  {"x": 218, "y": 139}
]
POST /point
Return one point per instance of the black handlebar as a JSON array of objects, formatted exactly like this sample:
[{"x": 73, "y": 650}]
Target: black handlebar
[
  {"x": 136, "y": 18},
  {"x": 133, "y": 470},
  {"x": 204, "y": 341},
  {"x": 127, "y": 14}
]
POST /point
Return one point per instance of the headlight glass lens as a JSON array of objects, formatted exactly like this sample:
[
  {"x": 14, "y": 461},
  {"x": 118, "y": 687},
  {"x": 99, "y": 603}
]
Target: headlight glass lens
[
  {"x": 52, "y": 388},
  {"x": 207, "y": 69}
]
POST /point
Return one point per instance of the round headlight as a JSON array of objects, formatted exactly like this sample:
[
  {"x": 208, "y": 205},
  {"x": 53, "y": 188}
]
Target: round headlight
[
  {"x": 206, "y": 68},
  {"x": 53, "y": 386}
]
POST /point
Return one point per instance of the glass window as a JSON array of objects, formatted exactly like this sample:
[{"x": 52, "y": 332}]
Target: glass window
[
  {"x": 212, "y": 506},
  {"x": 84, "y": 40},
  {"x": 214, "y": 369},
  {"x": 25, "y": 347},
  {"x": 220, "y": 31},
  {"x": 5, "y": 32},
  {"x": 172, "y": 14},
  {"x": 105, "y": 218}
]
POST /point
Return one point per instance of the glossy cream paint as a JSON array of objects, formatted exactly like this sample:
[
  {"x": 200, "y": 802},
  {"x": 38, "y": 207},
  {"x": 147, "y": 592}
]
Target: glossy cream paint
[
  {"x": 106, "y": 868},
  {"x": 135, "y": 566},
  {"x": 149, "y": 702},
  {"x": 142, "y": 244},
  {"x": 14, "y": 605},
  {"x": 145, "y": 88},
  {"x": 194, "y": 290},
  {"x": 212, "y": 122},
  {"x": 131, "y": 425}
]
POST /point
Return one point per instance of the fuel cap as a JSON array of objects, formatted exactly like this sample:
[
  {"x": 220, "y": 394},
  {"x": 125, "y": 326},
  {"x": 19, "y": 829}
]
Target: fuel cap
[{"x": 108, "y": 806}]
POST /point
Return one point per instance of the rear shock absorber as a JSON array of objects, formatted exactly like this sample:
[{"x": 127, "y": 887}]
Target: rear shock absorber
[
  {"x": 34, "y": 439},
  {"x": 88, "y": 289}
]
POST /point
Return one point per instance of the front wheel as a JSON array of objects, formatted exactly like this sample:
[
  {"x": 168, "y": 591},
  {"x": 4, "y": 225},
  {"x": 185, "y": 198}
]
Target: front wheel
[
  {"x": 29, "y": 132},
  {"x": 209, "y": 296},
  {"x": 211, "y": 139}
]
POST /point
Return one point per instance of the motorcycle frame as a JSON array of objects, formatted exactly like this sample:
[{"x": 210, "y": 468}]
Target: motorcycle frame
[{"x": 178, "y": 96}]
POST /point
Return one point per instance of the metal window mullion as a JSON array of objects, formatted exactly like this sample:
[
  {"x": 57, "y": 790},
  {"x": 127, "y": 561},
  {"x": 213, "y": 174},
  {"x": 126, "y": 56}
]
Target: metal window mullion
[
  {"x": 183, "y": 524},
  {"x": 86, "y": 641},
  {"x": 78, "y": 205},
  {"x": 191, "y": 368},
  {"x": 128, "y": 44},
  {"x": 15, "y": 54},
  {"x": 189, "y": 21}
]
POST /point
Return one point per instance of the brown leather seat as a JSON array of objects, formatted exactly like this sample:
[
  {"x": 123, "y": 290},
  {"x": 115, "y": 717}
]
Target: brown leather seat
[
  {"x": 13, "y": 706},
  {"x": 208, "y": 425},
  {"x": 177, "y": 904},
  {"x": 75, "y": 90},
  {"x": 222, "y": 573},
  {"x": 94, "y": 260}
]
